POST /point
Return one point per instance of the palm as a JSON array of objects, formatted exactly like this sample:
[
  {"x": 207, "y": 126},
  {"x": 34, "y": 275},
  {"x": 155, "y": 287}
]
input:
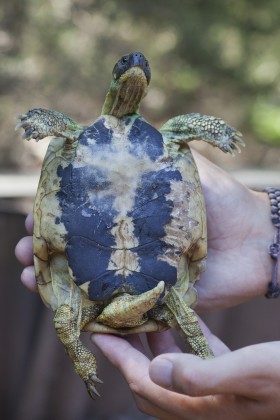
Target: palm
[{"x": 234, "y": 241}]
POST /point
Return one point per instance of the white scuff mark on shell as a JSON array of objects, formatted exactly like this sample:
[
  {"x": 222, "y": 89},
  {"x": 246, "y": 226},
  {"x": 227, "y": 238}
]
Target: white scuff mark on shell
[
  {"x": 85, "y": 213},
  {"x": 91, "y": 141},
  {"x": 121, "y": 169},
  {"x": 123, "y": 231},
  {"x": 123, "y": 259},
  {"x": 177, "y": 234},
  {"x": 124, "y": 262}
]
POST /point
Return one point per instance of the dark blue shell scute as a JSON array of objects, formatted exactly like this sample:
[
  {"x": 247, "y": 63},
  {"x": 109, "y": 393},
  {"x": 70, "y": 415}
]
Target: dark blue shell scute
[
  {"x": 103, "y": 287},
  {"x": 144, "y": 134},
  {"x": 98, "y": 132},
  {"x": 152, "y": 209},
  {"x": 140, "y": 282},
  {"x": 153, "y": 266},
  {"x": 79, "y": 216},
  {"x": 89, "y": 262},
  {"x": 88, "y": 215}
]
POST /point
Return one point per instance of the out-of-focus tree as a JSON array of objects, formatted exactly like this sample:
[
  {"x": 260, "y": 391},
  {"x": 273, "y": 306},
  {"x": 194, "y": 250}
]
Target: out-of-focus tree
[{"x": 219, "y": 57}]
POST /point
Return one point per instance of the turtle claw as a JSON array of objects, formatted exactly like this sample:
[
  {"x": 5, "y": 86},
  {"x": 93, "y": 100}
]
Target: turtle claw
[
  {"x": 231, "y": 141},
  {"x": 90, "y": 384},
  {"x": 237, "y": 138},
  {"x": 228, "y": 149},
  {"x": 237, "y": 141},
  {"x": 34, "y": 127},
  {"x": 22, "y": 124},
  {"x": 92, "y": 391},
  {"x": 237, "y": 147},
  {"x": 22, "y": 116},
  {"x": 25, "y": 137},
  {"x": 96, "y": 379}
]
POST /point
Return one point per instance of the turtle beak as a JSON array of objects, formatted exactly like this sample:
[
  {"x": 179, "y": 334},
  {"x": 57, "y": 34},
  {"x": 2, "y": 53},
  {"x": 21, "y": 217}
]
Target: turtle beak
[{"x": 137, "y": 59}]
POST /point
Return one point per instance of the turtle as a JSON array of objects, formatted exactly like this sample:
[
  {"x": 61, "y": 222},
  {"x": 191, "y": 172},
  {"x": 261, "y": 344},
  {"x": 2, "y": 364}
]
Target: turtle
[{"x": 120, "y": 234}]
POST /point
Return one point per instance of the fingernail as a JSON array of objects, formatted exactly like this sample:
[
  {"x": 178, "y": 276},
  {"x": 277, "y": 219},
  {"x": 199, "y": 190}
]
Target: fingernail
[{"x": 161, "y": 372}]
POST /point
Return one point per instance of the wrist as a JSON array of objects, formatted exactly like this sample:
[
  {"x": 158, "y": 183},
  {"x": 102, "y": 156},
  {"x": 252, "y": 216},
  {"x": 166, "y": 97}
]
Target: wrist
[
  {"x": 264, "y": 234},
  {"x": 274, "y": 249}
]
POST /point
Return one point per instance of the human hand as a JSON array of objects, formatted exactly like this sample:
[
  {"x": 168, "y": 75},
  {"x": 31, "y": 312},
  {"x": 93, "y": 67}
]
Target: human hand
[
  {"x": 243, "y": 384},
  {"x": 240, "y": 231},
  {"x": 239, "y": 234},
  {"x": 24, "y": 253}
]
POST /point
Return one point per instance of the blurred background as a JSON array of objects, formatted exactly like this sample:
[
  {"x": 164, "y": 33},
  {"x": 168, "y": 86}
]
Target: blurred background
[{"x": 219, "y": 57}]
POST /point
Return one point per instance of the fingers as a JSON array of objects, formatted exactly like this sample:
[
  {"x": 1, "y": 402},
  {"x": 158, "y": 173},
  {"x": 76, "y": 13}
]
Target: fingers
[
  {"x": 134, "y": 366},
  {"x": 29, "y": 222},
  {"x": 135, "y": 341},
  {"x": 216, "y": 345},
  {"x": 161, "y": 369},
  {"x": 243, "y": 372},
  {"x": 121, "y": 353},
  {"x": 28, "y": 278},
  {"x": 24, "y": 251},
  {"x": 24, "y": 248},
  {"x": 163, "y": 342}
]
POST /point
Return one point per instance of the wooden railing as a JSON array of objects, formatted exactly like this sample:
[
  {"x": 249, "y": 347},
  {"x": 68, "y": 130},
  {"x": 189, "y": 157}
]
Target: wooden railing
[{"x": 25, "y": 185}]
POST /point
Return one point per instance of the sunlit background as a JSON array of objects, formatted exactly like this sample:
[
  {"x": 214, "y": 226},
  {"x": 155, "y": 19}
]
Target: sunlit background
[
  {"x": 215, "y": 57},
  {"x": 218, "y": 57}
]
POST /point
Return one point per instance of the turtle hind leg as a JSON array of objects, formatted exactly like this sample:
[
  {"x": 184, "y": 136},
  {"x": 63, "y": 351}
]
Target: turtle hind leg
[
  {"x": 187, "y": 323},
  {"x": 40, "y": 123},
  {"x": 68, "y": 331}
]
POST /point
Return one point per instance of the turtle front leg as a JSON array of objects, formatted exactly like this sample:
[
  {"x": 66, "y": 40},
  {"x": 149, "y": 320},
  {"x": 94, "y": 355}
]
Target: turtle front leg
[
  {"x": 215, "y": 131},
  {"x": 186, "y": 321},
  {"x": 40, "y": 123},
  {"x": 68, "y": 331}
]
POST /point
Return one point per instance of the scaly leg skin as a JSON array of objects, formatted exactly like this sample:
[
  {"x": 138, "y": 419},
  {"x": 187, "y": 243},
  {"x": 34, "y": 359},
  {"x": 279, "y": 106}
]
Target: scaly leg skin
[
  {"x": 40, "y": 123},
  {"x": 68, "y": 331},
  {"x": 188, "y": 324},
  {"x": 215, "y": 131}
]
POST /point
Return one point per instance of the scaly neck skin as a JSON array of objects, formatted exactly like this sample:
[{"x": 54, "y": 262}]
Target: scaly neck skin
[{"x": 125, "y": 94}]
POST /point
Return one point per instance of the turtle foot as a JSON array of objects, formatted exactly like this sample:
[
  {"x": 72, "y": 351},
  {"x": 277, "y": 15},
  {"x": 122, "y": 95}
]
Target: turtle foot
[
  {"x": 36, "y": 124},
  {"x": 84, "y": 362},
  {"x": 212, "y": 130},
  {"x": 91, "y": 386},
  {"x": 40, "y": 123}
]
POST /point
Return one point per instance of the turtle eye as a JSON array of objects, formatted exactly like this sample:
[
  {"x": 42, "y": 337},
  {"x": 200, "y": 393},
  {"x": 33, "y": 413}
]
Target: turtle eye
[{"x": 124, "y": 60}]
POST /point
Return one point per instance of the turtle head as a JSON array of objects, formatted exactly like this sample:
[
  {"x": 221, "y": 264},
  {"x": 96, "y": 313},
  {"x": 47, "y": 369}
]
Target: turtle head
[{"x": 130, "y": 79}]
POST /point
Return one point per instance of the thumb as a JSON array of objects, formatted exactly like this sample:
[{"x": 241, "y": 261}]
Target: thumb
[
  {"x": 183, "y": 373},
  {"x": 245, "y": 372}
]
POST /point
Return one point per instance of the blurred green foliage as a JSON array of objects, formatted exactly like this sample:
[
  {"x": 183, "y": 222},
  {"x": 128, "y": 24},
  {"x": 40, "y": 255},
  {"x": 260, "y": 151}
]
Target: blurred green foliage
[
  {"x": 219, "y": 57},
  {"x": 266, "y": 121}
]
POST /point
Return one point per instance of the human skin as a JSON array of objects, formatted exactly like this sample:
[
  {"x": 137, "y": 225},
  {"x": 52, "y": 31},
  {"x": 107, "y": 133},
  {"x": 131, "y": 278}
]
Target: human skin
[{"x": 239, "y": 385}]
